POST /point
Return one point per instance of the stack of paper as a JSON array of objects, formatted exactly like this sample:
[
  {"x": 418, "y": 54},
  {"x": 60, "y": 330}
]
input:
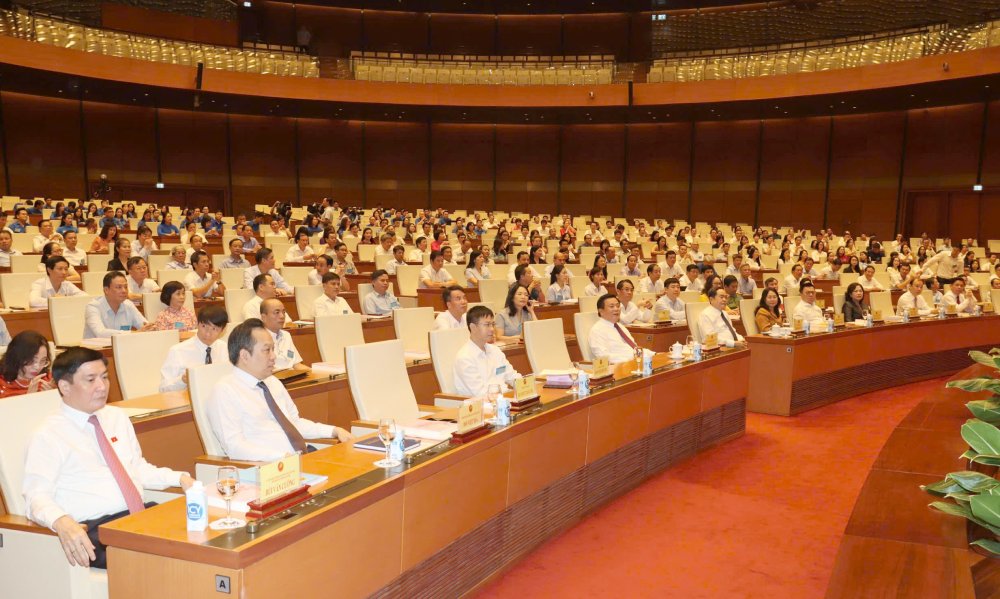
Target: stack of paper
[
  {"x": 432, "y": 430},
  {"x": 328, "y": 368}
]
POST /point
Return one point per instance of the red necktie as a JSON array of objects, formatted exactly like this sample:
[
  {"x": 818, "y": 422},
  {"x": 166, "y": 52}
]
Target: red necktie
[
  {"x": 133, "y": 499},
  {"x": 294, "y": 436},
  {"x": 625, "y": 336}
]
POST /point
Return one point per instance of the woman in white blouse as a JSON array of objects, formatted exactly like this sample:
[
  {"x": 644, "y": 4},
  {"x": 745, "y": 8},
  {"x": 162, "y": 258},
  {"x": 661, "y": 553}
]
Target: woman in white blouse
[
  {"x": 596, "y": 286},
  {"x": 476, "y": 269},
  {"x": 559, "y": 291}
]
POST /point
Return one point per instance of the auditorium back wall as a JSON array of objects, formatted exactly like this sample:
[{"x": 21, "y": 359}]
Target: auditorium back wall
[{"x": 854, "y": 172}]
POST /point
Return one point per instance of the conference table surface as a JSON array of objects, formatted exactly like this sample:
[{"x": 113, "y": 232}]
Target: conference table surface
[{"x": 483, "y": 503}]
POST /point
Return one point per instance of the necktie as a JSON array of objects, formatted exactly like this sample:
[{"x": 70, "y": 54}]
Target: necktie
[
  {"x": 625, "y": 336},
  {"x": 729, "y": 326},
  {"x": 208, "y": 355},
  {"x": 293, "y": 434},
  {"x": 133, "y": 500}
]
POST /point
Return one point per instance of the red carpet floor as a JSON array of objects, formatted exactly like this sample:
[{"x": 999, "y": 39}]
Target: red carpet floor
[{"x": 761, "y": 516}]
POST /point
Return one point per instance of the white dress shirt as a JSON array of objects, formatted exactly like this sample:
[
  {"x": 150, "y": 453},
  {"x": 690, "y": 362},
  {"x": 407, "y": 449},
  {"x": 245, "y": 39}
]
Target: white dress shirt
[
  {"x": 594, "y": 290},
  {"x": 5, "y": 256},
  {"x": 286, "y": 354},
  {"x": 872, "y": 285},
  {"x": 75, "y": 257},
  {"x": 791, "y": 284},
  {"x": 967, "y": 304},
  {"x": 392, "y": 265},
  {"x": 445, "y": 321},
  {"x": 140, "y": 250},
  {"x": 380, "y": 305},
  {"x": 42, "y": 290},
  {"x": 630, "y": 313},
  {"x": 713, "y": 320},
  {"x": 148, "y": 285},
  {"x": 101, "y": 321},
  {"x": 175, "y": 265},
  {"x": 907, "y": 301},
  {"x": 695, "y": 284},
  {"x": 807, "y": 312},
  {"x": 192, "y": 281},
  {"x": 556, "y": 294},
  {"x": 65, "y": 472},
  {"x": 244, "y": 425},
  {"x": 188, "y": 354},
  {"x": 675, "y": 271},
  {"x": 943, "y": 265},
  {"x": 472, "y": 273},
  {"x": 279, "y": 281},
  {"x": 297, "y": 254},
  {"x": 324, "y": 306},
  {"x": 676, "y": 308},
  {"x": 647, "y": 285},
  {"x": 38, "y": 242},
  {"x": 476, "y": 369},
  {"x": 607, "y": 342},
  {"x": 428, "y": 273},
  {"x": 415, "y": 255}
]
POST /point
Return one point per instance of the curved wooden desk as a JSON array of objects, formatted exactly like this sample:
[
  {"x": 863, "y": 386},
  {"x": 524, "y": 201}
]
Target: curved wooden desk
[
  {"x": 894, "y": 545},
  {"x": 449, "y": 521},
  {"x": 789, "y": 376}
]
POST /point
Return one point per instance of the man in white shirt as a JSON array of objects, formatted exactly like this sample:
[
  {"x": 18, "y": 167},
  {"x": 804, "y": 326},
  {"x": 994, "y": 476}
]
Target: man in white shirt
[
  {"x": 671, "y": 300},
  {"x": 342, "y": 263},
  {"x": 274, "y": 317},
  {"x": 143, "y": 245},
  {"x": 397, "y": 260},
  {"x": 695, "y": 254},
  {"x": 911, "y": 298},
  {"x": 330, "y": 303},
  {"x": 670, "y": 268},
  {"x": 250, "y": 411},
  {"x": 807, "y": 309},
  {"x": 522, "y": 258},
  {"x": 945, "y": 265},
  {"x": 434, "y": 275},
  {"x": 652, "y": 283},
  {"x": 456, "y": 305},
  {"x": 301, "y": 251},
  {"x": 139, "y": 281},
  {"x": 202, "y": 281},
  {"x": 608, "y": 338},
  {"x": 734, "y": 268},
  {"x": 963, "y": 299},
  {"x": 205, "y": 347},
  {"x": 417, "y": 253},
  {"x": 381, "y": 301},
  {"x": 83, "y": 466},
  {"x": 831, "y": 271},
  {"x": 235, "y": 259},
  {"x": 6, "y": 249},
  {"x": 559, "y": 259},
  {"x": 44, "y": 236},
  {"x": 868, "y": 281},
  {"x": 384, "y": 248},
  {"x": 713, "y": 319},
  {"x": 480, "y": 363},
  {"x": 73, "y": 254},
  {"x": 631, "y": 267},
  {"x": 53, "y": 284},
  {"x": 263, "y": 288},
  {"x": 113, "y": 314},
  {"x": 792, "y": 281},
  {"x": 692, "y": 279},
  {"x": 265, "y": 264},
  {"x": 630, "y": 311}
]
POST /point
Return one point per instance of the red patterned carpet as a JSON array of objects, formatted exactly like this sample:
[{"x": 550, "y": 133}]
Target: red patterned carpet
[{"x": 761, "y": 516}]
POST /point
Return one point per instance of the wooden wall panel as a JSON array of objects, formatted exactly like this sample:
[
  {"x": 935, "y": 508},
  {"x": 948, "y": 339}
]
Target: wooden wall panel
[
  {"x": 263, "y": 160},
  {"x": 927, "y": 212},
  {"x": 396, "y": 155},
  {"x": 335, "y": 31},
  {"x": 793, "y": 172},
  {"x": 532, "y": 35},
  {"x": 121, "y": 143},
  {"x": 658, "y": 171},
  {"x": 462, "y": 34},
  {"x": 330, "y": 161},
  {"x": 395, "y": 31},
  {"x": 596, "y": 34},
  {"x": 963, "y": 214},
  {"x": 864, "y": 172},
  {"x": 193, "y": 149},
  {"x": 276, "y": 22},
  {"x": 942, "y": 147},
  {"x": 44, "y": 151},
  {"x": 462, "y": 166},
  {"x": 725, "y": 171},
  {"x": 172, "y": 25},
  {"x": 989, "y": 216},
  {"x": 592, "y": 169},
  {"x": 527, "y": 168},
  {"x": 991, "y": 153}
]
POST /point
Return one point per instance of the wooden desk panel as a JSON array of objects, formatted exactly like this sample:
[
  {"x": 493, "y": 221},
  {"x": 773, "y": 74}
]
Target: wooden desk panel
[
  {"x": 28, "y": 320},
  {"x": 432, "y": 297}
]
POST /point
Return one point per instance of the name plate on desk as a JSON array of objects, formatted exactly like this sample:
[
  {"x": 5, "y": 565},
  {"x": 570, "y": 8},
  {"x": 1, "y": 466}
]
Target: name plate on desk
[
  {"x": 796, "y": 325},
  {"x": 838, "y": 320},
  {"x": 601, "y": 366},
  {"x": 279, "y": 478},
  {"x": 711, "y": 341},
  {"x": 987, "y": 307},
  {"x": 877, "y": 315},
  {"x": 951, "y": 309},
  {"x": 470, "y": 415},
  {"x": 524, "y": 388},
  {"x": 662, "y": 316},
  {"x": 914, "y": 313},
  {"x": 820, "y": 303}
]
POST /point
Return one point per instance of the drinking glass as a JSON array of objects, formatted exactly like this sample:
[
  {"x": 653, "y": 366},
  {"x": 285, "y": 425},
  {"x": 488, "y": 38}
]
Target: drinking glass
[
  {"x": 492, "y": 394},
  {"x": 638, "y": 359},
  {"x": 228, "y": 483},
  {"x": 689, "y": 344},
  {"x": 574, "y": 376},
  {"x": 386, "y": 433}
]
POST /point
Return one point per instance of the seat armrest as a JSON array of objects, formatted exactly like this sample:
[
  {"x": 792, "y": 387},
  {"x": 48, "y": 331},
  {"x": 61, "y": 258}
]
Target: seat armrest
[
  {"x": 12, "y": 522},
  {"x": 425, "y": 408},
  {"x": 215, "y": 460},
  {"x": 451, "y": 396},
  {"x": 323, "y": 440}
]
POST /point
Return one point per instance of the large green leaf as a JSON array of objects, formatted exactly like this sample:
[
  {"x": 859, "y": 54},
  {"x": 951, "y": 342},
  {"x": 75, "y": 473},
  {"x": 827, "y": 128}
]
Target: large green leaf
[
  {"x": 976, "y": 482},
  {"x": 987, "y": 508},
  {"x": 982, "y": 436},
  {"x": 968, "y": 454},
  {"x": 943, "y": 487},
  {"x": 985, "y": 359},
  {"x": 989, "y": 545},
  {"x": 975, "y": 385},
  {"x": 963, "y": 511},
  {"x": 995, "y": 351},
  {"x": 987, "y": 460},
  {"x": 987, "y": 410}
]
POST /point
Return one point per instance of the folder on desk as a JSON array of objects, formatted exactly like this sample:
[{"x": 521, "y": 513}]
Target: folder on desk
[{"x": 376, "y": 444}]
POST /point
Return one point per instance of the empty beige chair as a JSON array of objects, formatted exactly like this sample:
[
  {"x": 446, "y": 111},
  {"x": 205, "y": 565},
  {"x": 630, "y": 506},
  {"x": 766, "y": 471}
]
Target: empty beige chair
[
  {"x": 235, "y": 300},
  {"x": 366, "y": 252},
  {"x": 588, "y": 303},
  {"x": 748, "y": 307},
  {"x": 693, "y": 311},
  {"x": 495, "y": 290},
  {"x": 164, "y": 276},
  {"x": 93, "y": 282},
  {"x": 296, "y": 275},
  {"x": 33, "y": 562},
  {"x": 445, "y": 345},
  {"x": 582, "y": 323},
  {"x": 201, "y": 381},
  {"x": 232, "y": 278},
  {"x": 152, "y": 306},
  {"x": 305, "y": 300},
  {"x": 882, "y": 300},
  {"x": 412, "y": 326},
  {"x": 380, "y": 384},
  {"x": 334, "y": 333},
  {"x": 408, "y": 278},
  {"x": 66, "y": 316},
  {"x": 25, "y": 263},
  {"x": 545, "y": 343},
  {"x": 790, "y": 302},
  {"x": 138, "y": 358},
  {"x": 16, "y": 287}
]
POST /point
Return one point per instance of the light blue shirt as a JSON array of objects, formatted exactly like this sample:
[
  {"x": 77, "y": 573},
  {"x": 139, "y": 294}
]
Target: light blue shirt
[
  {"x": 380, "y": 305},
  {"x": 102, "y": 321}
]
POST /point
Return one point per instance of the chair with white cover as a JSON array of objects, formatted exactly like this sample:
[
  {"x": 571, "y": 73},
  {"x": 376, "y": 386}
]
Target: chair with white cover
[
  {"x": 305, "y": 300},
  {"x": 366, "y": 252},
  {"x": 582, "y": 323},
  {"x": 364, "y": 290},
  {"x": 66, "y": 317},
  {"x": 545, "y": 343},
  {"x": 232, "y": 278},
  {"x": 235, "y": 300},
  {"x": 445, "y": 345},
  {"x": 882, "y": 300},
  {"x": 994, "y": 299},
  {"x": 693, "y": 310},
  {"x": 689, "y": 296},
  {"x": 748, "y": 308},
  {"x": 588, "y": 303},
  {"x": 494, "y": 290},
  {"x": 93, "y": 281},
  {"x": 412, "y": 326},
  {"x": 201, "y": 381},
  {"x": 25, "y": 263},
  {"x": 380, "y": 384},
  {"x": 408, "y": 278},
  {"x": 790, "y": 302},
  {"x": 335, "y": 332},
  {"x": 152, "y": 306},
  {"x": 138, "y": 358},
  {"x": 578, "y": 284},
  {"x": 296, "y": 275},
  {"x": 32, "y": 563},
  {"x": 165, "y": 275},
  {"x": 838, "y": 302},
  {"x": 15, "y": 288}
]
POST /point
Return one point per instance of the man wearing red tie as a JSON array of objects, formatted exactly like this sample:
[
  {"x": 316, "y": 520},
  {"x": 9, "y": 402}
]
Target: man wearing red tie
[
  {"x": 608, "y": 338},
  {"x": 84, "y": 466}
]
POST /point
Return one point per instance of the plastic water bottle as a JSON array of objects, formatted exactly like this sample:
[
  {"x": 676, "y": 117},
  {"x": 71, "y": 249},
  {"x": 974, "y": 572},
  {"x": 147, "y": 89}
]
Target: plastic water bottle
[
  {"x": 870, "y": 321},
  {"x": 583, "y": 384},
  {"x": 806, "y": 326},
  {"x": 979, "y": 310},
  {"x": 503, "y": 411},
  {"x": 829, "y": 325},
  {"x": 906, "y": 316},
  {"x": 941, "y": 312},
  {"x": 696, "y": 351},
  {"x": 197, "y": 507},
  {"x": 397, "y": 447},
  {"x": 647, "y": 363}
]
